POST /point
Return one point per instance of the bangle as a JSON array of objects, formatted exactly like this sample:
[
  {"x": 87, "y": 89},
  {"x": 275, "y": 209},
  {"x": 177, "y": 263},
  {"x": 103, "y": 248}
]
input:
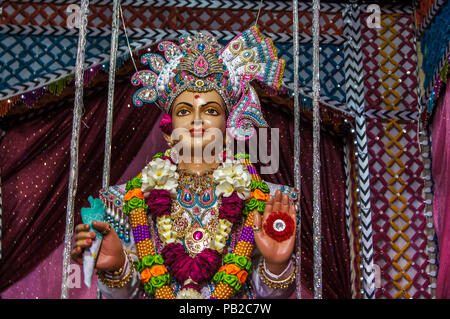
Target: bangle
[
  {"x": 275, "y": 284},
  {"x": 117, "y": 283}
]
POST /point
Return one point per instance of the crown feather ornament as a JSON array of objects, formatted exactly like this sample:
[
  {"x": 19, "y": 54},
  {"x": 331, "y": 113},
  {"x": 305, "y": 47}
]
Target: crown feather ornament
[{"x": 200, "y": 64}]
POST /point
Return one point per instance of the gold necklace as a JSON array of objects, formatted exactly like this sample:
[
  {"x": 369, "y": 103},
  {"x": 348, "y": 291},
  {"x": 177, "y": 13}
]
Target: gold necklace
[
  {"x": 196, "y": 235},
  {"x": 195, "y": 182}
]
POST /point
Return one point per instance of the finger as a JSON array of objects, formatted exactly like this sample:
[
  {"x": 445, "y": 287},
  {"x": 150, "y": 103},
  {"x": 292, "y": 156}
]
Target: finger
[
  {"x": 85, "y": 235},
  {"x": 81, "y": 227},
  {"x": 100, "y": 226},
  {"x": 269, "y": 208},
  {"x": 284, "y": 203},
  {"x": 77, "y": 255},
  {"x": 293, "y": 214},
  {"x": 83, "y": 243},
  {"x": 269, "y": 204},
  {"x": 277, "y": 203}
]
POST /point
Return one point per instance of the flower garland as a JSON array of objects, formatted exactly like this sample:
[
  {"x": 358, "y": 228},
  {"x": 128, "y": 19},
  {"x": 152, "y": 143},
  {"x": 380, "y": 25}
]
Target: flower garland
[
  {"x": 234, "y": 184},
  {"x": 154, "y": 274}
]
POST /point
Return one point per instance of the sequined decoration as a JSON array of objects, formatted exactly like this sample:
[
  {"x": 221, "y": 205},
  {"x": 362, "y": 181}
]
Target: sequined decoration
[
  {"x": 298, "y": 251},
  {"x": 316, "y": 155},
  {"x": 111, "y": 83},
  {"x": 74, "y": 147},
  {"x": 113, "y": 200},
  {"x": 145, "y": 77}
]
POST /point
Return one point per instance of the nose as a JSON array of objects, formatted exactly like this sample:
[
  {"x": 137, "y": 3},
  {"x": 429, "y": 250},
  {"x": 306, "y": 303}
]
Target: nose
[{"x": 197, "y": 120}]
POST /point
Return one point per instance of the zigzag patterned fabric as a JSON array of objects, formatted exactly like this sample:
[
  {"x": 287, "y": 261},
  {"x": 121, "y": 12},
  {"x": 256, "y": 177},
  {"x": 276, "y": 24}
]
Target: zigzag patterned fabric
[{"x": 355, "y": 100}]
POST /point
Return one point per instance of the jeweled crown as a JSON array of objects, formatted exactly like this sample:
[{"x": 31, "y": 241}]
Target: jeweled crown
[{"x": 199, "y": 63}]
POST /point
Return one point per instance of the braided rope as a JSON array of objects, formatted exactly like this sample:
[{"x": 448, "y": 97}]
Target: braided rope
[
  {"x": 425, "y": 13},
  {"x": 349, "y": 216}
]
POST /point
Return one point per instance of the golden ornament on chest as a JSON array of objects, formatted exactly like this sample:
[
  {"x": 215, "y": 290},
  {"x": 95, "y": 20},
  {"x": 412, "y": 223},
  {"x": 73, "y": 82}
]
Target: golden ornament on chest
[{"x": 197, "y": 235}]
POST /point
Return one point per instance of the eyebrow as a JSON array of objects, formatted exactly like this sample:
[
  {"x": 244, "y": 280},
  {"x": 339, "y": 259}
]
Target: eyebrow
[
  {"x": 211, "y": 102},
  {"x": 188, "y": 104},
  {"x": 202, "y": 105}
]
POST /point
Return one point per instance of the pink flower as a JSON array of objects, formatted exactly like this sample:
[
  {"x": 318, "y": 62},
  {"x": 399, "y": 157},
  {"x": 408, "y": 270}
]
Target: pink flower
[
  {"x": 231, "y": 208},
  {"x": 182, "y": 266},
  {"x": 166, "y": 124},
  {"x": 159, "y": 203}
]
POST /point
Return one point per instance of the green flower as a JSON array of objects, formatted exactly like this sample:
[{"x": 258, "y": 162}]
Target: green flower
[
  {"x": 241, "y": 262},
  {"x": 259, "y": 185},
  {"x": 264, "y": 187},
  {"x": 136, "y": 203},
  {"x": 126, "y": 209},
  {"x": 232, "y": 281},
  {"x": 138, "y": 266},
  {"x": 133, "y": 183},
  {"x": 248, "y": 267},
  {"x": 261, "y": 207},
  {"x": 229, "y": 258},
  {"x": 158, "y": 282},
  {"x": 166, "y": 278},
  {"x": 252, "y": 204},
  {"x": 148, "y": 261},
  {"x": 149, "y": 289},
  {"x": 159, "y": 260},
  {"x": 219, "y": 276}
]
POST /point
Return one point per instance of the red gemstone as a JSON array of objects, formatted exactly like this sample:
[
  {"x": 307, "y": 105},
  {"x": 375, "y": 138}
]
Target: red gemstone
[{"x": 198, "y": 235}]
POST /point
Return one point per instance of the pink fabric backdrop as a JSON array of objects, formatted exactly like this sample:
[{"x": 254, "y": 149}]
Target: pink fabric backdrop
[
  {"x": 44, "y": 282},
  {"x": 440, "y": 133}
]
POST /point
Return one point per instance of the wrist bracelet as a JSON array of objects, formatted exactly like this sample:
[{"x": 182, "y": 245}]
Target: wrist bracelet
[
  {"x": 275, "y": 284},
  {"x": 117, "y": 283}
]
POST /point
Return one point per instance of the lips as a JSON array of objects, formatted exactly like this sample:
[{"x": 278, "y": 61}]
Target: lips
[{"x": 197, "y": 131}]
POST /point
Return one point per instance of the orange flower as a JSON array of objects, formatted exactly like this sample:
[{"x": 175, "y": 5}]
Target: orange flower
[
  {"x": 146, "y": 275},
  {"x": 136, "y": 192},
  {"x": 231, "y": 269},
  {"x": 258, "y": 194},
  {"x": 242, "y": 276},
  {"x": 222, "y": 268},
  {"x": 158, "y": 270}
]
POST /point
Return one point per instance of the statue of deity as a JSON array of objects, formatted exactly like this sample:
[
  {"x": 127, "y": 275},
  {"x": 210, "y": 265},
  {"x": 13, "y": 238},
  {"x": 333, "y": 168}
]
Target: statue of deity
[{"x": 198, "y": 221}]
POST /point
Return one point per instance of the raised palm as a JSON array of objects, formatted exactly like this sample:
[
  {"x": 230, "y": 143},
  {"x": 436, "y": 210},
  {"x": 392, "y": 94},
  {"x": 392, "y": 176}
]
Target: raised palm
[{"x": 275, "y": 253}]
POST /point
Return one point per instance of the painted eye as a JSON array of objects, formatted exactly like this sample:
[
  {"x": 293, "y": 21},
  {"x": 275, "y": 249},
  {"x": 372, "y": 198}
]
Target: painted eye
[
  {"x": 182, "y": 112},
  {"x": 212, "y": 111}
]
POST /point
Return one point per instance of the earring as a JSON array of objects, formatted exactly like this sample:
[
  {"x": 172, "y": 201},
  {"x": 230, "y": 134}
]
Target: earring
[{"x": 173, "y": 153}]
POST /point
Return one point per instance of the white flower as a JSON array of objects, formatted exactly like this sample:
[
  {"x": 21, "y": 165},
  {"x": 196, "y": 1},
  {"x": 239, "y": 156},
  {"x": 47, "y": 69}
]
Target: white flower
[
  {"x": 232, "y": 177},
  {"x": 160, "y": 174}
]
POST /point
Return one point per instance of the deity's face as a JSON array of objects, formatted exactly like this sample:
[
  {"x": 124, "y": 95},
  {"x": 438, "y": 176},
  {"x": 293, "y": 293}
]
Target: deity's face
[{"x": 200, "y": 119}]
